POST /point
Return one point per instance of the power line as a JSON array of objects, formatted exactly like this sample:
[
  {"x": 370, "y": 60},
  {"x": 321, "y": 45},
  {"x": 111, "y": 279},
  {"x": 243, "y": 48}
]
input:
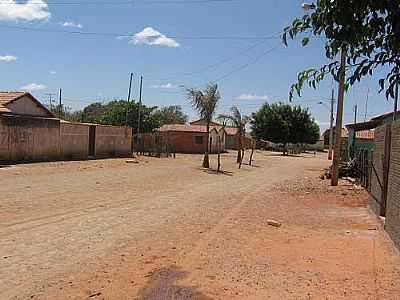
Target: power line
[
  {"x": 132, "y": 2},
  {"x": 124, "y": 35}
]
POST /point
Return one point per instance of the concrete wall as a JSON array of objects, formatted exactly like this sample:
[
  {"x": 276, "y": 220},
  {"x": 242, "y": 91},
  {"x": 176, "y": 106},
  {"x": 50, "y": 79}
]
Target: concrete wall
[
  {"x": 113, "y": 141},
  {"x": 25, "y": 139},
  {"x": 74, "y": 140},
  {"x": 26, "y": 106},
  {"x": 392, "y": 224}
]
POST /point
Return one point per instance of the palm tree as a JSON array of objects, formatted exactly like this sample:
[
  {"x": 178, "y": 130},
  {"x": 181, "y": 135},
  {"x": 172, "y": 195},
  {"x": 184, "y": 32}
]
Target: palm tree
[
  {"x": 205, "y": 103},
  {"x": 238, "y": 121}
]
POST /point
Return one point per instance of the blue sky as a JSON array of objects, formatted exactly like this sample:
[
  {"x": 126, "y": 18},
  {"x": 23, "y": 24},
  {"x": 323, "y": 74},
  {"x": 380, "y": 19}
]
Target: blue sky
[{"x": 168, "y": 42}]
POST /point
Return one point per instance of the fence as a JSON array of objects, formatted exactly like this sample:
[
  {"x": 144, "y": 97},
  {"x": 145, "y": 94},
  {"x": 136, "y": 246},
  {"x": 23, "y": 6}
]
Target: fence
[{"x": 154, "y": 144}]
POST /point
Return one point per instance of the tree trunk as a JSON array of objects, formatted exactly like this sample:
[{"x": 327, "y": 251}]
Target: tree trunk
[
  {"x": 252, "y": 152},
  {"x": 219, "y": 154},
  {"x": 206, "y": 161},
  {"x": 239, "y": 155}
]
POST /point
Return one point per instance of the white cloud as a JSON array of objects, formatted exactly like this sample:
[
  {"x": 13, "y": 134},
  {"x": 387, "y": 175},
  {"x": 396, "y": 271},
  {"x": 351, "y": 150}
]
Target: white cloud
[
  {"x": 31, "y": 10},
  {"x": 32, "y": 87},
  {"x": 150, "y": 36},
  {"x": 72, "y": 24},
  {"x": 167, "y": 86},
  {"x": 8, "y": 58},
  {"x": 53, "y": 72},
  {"x": 252, "y": 97}
]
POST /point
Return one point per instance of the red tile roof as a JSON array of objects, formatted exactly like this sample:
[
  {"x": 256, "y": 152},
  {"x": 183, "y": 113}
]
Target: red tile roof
[
  {"x": 7, "y": 97},
  {"x": 365, "y": 134},
  {"x": 187, "y": 128}
]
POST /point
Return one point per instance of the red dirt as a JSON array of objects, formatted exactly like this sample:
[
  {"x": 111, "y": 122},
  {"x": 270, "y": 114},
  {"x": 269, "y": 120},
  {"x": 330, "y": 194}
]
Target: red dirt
[{"x": 167, "y": 230}]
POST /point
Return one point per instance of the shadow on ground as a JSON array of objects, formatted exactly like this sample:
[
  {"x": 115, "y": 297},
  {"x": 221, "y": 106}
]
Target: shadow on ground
[{"x": 163, "y": 286}]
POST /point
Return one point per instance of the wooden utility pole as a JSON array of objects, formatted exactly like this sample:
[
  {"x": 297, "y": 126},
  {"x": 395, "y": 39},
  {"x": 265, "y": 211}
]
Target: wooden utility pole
[
  {"x": 339, "y": 119},
  {"x": 331, "y": 127},
  {"x": 60, "y": 105}
]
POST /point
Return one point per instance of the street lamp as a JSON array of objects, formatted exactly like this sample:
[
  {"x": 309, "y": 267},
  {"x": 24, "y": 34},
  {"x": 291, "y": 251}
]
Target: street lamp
[{"x": 308, "y": 6}]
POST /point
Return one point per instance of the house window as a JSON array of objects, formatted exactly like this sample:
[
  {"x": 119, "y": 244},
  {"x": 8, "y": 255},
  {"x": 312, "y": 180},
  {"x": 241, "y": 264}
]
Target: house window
[{"x": 198, "y": 140}]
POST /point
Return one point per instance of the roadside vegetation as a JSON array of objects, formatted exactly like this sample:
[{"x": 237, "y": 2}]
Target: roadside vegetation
[{"x": 284, "y": 124}]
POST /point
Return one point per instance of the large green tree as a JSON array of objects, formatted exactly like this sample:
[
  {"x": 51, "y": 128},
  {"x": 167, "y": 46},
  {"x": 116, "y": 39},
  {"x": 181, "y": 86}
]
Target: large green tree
[
  {"x": 368, "y": 31},
  {"x": 284, "y": 124},
  {"x": 205, "y": 103},
  {"x": 170, "y": 115}
]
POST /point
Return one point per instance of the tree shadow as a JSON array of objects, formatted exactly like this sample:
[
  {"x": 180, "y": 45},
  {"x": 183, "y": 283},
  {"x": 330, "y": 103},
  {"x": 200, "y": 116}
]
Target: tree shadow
[
  {"x": 215, "y": 172},
  {"x": 163, "y": 286}
]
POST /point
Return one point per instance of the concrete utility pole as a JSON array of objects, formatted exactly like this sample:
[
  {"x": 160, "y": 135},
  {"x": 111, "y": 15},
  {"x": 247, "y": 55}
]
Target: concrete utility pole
[
  {"x": 339, "y": 119},
  {"x": 140, "y": 104},
  {"x": 354, "y": 133},
  {"x": 60, "y": 105},
  {"x": 366, "y": 106},
  {"x": 129, "y": 99},
  {"x": 331, "y": 127}
]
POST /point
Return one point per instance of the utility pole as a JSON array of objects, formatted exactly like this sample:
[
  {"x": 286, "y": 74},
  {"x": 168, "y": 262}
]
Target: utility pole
[
  {"x": 51, "y": 99},
  {"x": 339, "y": 119},
  {"x": 60, "y": 105},
  {"x": 366, "y": 106},
  {"x": 140, "y": 104},
  {"x": 396, "y": 101},
  {"x": 353, "y": 145},
  {"x": 129, "y": 99},
  {"x": 331, "y": 127}
]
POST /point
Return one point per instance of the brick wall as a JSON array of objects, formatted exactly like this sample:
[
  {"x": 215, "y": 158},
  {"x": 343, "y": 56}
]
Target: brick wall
[
  {"x": 184, "y": 142},
  {"x": 393, "y": 203},
  {"x": 376, "y": 190}
]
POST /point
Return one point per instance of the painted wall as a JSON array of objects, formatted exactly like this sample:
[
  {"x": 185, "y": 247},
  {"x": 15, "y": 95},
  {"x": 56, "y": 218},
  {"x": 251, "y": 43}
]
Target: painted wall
[
  {"x": 25, "y": 106},
  {"x": 74, "y": 140},
  {"x": 113, "y": 141}
]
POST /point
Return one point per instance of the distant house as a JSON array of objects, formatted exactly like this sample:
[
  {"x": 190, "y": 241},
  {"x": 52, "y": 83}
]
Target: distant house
[
  {"x": 232, "y": 135},
  {"x": 188, "y": 138},
  {"x": 23, "y": 104}
]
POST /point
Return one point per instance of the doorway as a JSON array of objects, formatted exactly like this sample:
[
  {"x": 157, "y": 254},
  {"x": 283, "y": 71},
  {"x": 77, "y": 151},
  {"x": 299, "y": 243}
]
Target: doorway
[{"x": 92, "y": 141}]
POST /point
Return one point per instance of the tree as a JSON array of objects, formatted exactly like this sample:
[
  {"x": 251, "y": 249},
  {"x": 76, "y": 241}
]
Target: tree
[
  {"x": 368, "y": 31},
  {"x": 239, "y": 121},
  {"x": 205, "y": 103},
  {"x": 284, "y": 124},
  {"x": 170, "y": 115}
]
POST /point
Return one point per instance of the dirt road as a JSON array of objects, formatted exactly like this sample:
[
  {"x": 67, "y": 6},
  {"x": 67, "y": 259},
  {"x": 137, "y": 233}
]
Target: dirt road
[{"x": 166, "y": 229}]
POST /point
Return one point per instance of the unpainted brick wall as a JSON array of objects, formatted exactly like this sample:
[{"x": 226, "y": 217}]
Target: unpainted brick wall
[
  {"x": 392, "y": 224},
  {"x": 376, "y": 190}
]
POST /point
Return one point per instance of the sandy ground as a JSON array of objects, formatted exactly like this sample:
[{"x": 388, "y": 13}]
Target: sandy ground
[{"x": 166, "y": 229}]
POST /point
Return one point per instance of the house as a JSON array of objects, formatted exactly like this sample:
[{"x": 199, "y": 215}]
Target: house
[
  {"x": 232, "y": 140},
  {"x": 188, "y": 138},
  {"x": 23, "y": 104}
]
